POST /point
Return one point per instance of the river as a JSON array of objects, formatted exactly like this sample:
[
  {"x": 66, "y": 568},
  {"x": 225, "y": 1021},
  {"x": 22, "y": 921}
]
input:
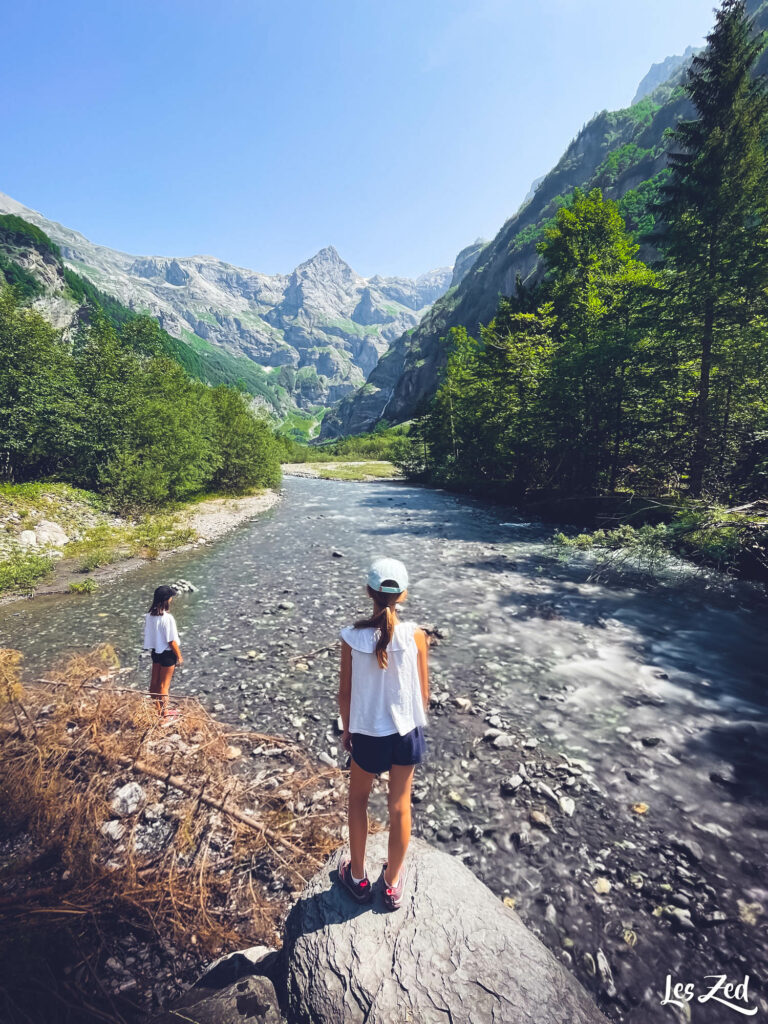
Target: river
[{"x": 658, "y": 691}]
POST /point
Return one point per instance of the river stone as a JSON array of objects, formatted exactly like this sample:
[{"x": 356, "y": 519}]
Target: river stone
[
  {"x": 48, "y": 533},
  {"x": 251, "y": 999},
  {"x": 452, "y": 952},
  {"x": 27, "y": 539},
  {"x": 689, "y": 847}
]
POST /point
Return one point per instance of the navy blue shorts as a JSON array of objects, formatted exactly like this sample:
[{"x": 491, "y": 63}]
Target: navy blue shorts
[
  {"x": 377, "y": 754},
  {"x": 164, "y": 658}
]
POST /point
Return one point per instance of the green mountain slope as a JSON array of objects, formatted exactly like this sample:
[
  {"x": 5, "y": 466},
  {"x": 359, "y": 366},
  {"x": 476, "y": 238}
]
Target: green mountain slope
[
  {"x": 622, "y": 152},
  {"x": 32, "y": 264}
]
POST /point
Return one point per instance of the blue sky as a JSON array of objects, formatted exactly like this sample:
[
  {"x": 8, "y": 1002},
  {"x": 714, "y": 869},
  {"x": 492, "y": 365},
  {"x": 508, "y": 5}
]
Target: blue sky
[{"x": 258, "y": 131}]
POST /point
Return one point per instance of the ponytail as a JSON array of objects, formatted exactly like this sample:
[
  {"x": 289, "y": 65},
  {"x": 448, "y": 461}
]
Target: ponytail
[{"x": 383, "y": 619}]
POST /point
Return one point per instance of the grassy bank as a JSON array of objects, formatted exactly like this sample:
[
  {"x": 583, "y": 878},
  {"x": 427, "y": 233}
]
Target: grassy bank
[
  {"x": 339, "y": 469},
  {"x": 729, "y": 540},
  {"x": 92, "y": 537}
]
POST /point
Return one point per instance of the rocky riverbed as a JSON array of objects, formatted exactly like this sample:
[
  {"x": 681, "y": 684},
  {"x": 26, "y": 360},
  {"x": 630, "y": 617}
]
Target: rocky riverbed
[{"x": 595, "y": 750}]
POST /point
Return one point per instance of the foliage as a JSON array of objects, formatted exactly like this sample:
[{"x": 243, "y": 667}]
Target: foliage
[
  {"x": 636, "y": 204},
  {"x": 386, "y": 444},
  {"x": 618, "y": 160},
  {"x": 248, "y": 455},
  {"x": 106, "y": 543},
  {"x": 88, "y": 586},
  {"x": 723, "y": 538},
  {"x": 612, "y": 375},
  {"x": 714, "y": 234},
  {"x": 114, "y": 414},
  {"x": 645, "y": 548},
  {"x": 25, "y": 285},
  {"x": 15, "y": 229},
  {"x": 22, "y": 570}
]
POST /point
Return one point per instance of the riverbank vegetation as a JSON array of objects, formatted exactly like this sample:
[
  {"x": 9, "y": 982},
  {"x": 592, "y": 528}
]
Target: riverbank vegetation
[
  {"x": 363, "y": 470},
  {"x": 384, "y": 444},
  {"x": 611, "y": 375},
  {"x": 130, "y": 854}
]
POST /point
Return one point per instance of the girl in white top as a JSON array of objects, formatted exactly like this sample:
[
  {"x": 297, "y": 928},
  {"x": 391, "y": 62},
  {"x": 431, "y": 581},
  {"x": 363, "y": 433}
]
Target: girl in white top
[
  {"x": 162, "y": 638},
  {"x": 383, "y": 699}
]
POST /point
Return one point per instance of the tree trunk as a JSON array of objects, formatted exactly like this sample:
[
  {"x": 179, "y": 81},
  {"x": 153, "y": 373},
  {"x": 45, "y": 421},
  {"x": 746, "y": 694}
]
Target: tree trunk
[{"x": 701, "y": 448}]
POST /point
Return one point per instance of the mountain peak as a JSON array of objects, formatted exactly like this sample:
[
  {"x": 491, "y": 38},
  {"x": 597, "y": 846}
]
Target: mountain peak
[
  {"x": 661, "y": 71},
  {"x": 328, "y": 254}
]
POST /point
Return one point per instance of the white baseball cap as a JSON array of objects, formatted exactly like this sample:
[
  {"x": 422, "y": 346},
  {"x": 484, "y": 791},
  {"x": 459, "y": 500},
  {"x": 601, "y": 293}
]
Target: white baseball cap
[{"x": 388, "y": 569}]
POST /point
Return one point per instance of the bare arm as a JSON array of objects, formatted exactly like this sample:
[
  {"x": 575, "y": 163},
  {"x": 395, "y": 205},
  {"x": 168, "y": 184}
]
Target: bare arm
[
  {"x": 422, "y": 646},
  {"x": 176, "y": 650},
  {"x": 345, "y": 692}
]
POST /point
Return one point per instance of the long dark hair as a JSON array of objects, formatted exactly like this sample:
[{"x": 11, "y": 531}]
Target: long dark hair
[
  {"x": 383, "y": 618},
  {"x": 161, "y": 600}
]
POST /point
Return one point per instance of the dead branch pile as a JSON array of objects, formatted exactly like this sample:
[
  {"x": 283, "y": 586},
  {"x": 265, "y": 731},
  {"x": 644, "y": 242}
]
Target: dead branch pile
[{"x": 132, "y": 850}]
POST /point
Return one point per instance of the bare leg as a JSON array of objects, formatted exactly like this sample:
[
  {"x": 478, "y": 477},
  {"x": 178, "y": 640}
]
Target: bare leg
[
  {"x": 161, "y": 684},
  {"x": 154, "y": 687},
  {"x": 360, "y": 783},
  {"x": 400, "y": 778}
]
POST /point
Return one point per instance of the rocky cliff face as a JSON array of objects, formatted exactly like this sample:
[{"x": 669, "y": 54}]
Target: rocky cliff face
[
  {"x": 661, "y": 72},
  {"x": 325, "y": 323},
  {"x": 406, "y": 376}
]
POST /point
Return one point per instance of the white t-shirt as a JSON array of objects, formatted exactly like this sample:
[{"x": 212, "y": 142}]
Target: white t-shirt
[
  {"x": 384, "y": 700},
  {"x": 159, "y": 631}
]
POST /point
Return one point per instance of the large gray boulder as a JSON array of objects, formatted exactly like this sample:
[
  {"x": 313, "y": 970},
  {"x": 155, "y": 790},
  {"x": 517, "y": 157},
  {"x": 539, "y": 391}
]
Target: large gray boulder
[{"x": 452, "y": 952}]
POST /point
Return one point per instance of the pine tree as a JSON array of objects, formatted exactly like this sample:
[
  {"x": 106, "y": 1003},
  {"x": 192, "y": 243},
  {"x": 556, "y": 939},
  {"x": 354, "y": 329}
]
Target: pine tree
[{"x": 714, "y": 213}]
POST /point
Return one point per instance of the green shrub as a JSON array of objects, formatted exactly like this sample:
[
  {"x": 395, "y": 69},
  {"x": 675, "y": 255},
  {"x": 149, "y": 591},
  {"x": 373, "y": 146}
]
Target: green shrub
[
  {"x": 98, "y": 557},
  {"x": 86, "y": 587},
  {"x": 23, "y": 570}
]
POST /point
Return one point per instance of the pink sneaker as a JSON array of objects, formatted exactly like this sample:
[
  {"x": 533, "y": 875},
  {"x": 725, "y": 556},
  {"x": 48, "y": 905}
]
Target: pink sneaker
[
  {"x": 393, "y": 894},
  {"x": 360, "y": 891}
]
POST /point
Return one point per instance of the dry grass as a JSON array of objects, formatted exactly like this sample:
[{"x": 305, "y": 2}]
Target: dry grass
[{"x": 238, "y": 835}]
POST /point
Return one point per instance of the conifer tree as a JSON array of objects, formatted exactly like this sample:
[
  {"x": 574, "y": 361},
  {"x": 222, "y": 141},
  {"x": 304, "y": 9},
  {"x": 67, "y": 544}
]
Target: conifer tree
[{"x": 714, "y": 214}]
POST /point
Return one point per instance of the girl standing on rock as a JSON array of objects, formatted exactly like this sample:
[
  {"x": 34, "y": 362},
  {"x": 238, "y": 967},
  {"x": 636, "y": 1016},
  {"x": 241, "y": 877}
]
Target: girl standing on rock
[
  {"x": 383, "y": 698},
  {"x": 162, "y": 638}
]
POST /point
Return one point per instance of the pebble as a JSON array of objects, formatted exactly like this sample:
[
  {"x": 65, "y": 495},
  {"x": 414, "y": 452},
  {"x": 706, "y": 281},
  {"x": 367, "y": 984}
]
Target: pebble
[
  {"x": 511, "y": 785},
  {"x": 601, "y": 885},
  {"x": 530, "y": 743},
  {"x": 689, "y": 847},
  {"x": 503, "y": 741},
  {"x": 545, "y": 790},
  {"x": 606, "y": 975},
  {"x": 467, "y": 802},
  {"x": 128, "y": 799},
  {"x": 682, "y": 919},
  {"x": 567, "y": 805},
  {"x": 327, "y": 759},
  {"x": 540, "y": 818},
  {"x": 114, "y": 830}
]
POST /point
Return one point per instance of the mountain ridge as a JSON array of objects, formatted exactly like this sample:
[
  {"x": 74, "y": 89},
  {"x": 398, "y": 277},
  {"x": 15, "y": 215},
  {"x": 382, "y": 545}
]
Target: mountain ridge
[{"x": 323, "y": 322}]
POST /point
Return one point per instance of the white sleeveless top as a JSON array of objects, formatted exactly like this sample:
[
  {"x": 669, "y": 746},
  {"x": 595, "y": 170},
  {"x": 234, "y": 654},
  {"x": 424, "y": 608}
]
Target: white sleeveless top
[{"x": 384, "y": 700}]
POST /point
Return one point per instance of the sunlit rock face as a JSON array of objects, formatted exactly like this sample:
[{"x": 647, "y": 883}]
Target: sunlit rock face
[{"x": 323, "y": 320}]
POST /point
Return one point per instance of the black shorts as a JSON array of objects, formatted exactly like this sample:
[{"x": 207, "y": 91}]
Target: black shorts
[
  {"x": 165, "y": 658},
  {"x": 377, "y": 754}
]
